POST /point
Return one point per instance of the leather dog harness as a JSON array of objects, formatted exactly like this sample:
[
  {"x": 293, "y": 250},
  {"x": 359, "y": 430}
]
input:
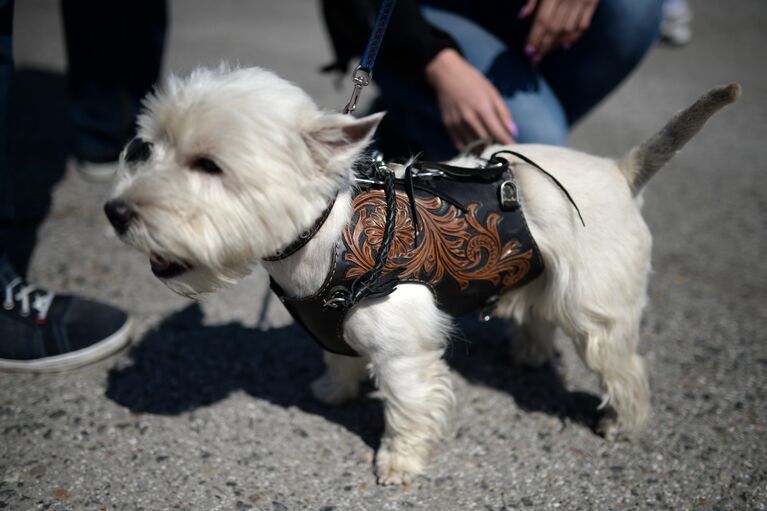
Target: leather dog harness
[{"x": 456, "y": 230}]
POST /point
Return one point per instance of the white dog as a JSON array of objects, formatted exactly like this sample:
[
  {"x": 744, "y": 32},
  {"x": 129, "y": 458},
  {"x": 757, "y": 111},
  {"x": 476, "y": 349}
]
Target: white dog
[{"x": 230, "y": 166}]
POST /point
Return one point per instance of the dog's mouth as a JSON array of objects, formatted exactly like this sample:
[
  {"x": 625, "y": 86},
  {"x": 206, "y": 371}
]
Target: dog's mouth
[{"x": 165, "y": 268}]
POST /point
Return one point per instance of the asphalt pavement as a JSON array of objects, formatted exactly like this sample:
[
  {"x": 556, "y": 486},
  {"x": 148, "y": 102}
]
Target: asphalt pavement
[{"x": 210, "y": 408}]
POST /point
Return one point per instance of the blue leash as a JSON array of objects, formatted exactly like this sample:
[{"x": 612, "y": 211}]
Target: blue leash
[{"x": 364, "y": 71}]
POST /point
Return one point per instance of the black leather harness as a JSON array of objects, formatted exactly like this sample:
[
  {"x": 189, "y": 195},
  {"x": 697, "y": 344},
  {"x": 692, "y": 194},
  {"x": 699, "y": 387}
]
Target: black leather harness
[{"x": 458, "y": 231}]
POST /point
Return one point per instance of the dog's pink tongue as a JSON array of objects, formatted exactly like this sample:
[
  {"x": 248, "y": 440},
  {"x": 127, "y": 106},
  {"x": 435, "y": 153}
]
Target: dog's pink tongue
[{"x": 158, "y": 263}]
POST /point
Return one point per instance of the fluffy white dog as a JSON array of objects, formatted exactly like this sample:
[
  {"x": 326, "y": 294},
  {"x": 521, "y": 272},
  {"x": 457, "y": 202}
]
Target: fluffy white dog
[{"x": 230, "y": 166}]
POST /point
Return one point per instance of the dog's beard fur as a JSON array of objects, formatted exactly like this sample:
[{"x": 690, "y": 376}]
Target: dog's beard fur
[
  {"x": 268, "y": 138},
  {"x": 282, "y": 161}
]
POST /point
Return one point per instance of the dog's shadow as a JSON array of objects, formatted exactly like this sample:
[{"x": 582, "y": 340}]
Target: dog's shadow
[
  {"x": 183, "y": 365},
  {"x": 480, "y": 355}
]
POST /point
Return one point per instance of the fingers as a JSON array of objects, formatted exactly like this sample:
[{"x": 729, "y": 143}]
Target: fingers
[
  {"x": 455, "y": 129},
  {"x": 570, "y": 27},
  {"x": 527, "y": 9},
  {"x": 471, "y": 106},
  {"x": 542, "y": 32},
  {"x": 463, "y": 129},
  {"x": 577, "y": 20},
  {"x": 491, "y": 120},
  {"x": 586, "y": 14},
  {"x": 475, "y": 125},
  {"x": 558, "y": 23}
]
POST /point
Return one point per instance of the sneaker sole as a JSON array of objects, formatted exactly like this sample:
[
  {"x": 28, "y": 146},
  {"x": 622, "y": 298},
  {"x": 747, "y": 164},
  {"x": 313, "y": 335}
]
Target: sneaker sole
[
  {"x": 95, "y": 172},
  {"x": 97, "y": 175},
  {"x": 74, "y": 359}
]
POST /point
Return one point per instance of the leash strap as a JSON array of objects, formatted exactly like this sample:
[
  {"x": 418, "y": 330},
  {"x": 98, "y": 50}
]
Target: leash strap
[
  {"x": 364, "y": 71},
  {"x": 556, "y": 182}
]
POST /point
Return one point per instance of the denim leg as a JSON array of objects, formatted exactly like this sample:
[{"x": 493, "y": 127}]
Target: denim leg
[
  {"x": 114, "y": 52},
  {"x": 533, "y": 104},
  {"x": 142, "y": 43},
  {"x": 621, "y": 33},
  {"x": 6, "y": 72}
]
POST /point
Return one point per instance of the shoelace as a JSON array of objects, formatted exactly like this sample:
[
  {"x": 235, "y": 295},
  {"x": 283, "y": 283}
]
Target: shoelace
[{"x": 30, "y": 297}]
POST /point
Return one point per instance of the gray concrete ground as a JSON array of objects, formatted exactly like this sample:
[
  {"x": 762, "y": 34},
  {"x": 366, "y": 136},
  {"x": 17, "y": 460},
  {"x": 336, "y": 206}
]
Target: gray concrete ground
[{"x": 210, "y": 409}]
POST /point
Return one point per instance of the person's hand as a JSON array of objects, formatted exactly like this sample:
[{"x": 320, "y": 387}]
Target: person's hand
[
  {"x": 557, "y": 23},
  {"x": 471, "y": 106}
]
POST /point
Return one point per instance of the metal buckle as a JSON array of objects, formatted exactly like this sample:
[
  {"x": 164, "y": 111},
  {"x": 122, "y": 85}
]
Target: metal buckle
[
  {"x": 370, "y": 177},
  {"x": 339, "y": 298},
  {"x": 428, "y": 174},
  {"x": 507, "y": 195}
]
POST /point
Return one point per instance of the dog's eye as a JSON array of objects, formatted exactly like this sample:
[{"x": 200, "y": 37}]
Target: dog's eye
[
  {"x": 206, "y": 165},
  {"x": 138, "y": 150}
]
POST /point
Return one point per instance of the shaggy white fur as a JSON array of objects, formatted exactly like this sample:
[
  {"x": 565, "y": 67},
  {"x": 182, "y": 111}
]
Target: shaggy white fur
[{"x": 277, "y": 161}]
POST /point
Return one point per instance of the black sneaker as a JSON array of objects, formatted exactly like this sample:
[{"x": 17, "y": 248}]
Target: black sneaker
[{"x": 41, "y": 331}]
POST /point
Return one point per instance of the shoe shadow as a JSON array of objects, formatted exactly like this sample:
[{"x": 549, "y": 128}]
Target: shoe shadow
[{"x": 183, "y": 365}]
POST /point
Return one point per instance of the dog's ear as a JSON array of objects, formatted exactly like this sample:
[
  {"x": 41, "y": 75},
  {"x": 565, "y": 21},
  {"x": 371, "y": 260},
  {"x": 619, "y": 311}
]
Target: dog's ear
[{"x": 340, "y": 138}]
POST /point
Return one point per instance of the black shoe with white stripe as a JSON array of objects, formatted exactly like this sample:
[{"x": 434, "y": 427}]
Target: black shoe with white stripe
[{"x": 41, "y": 331}]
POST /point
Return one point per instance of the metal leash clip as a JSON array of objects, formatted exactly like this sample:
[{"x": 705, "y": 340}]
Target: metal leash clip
[{"x": 360, "y": 78}]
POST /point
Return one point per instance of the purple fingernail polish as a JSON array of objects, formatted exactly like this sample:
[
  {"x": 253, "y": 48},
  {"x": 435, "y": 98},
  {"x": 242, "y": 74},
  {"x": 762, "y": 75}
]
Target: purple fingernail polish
[
  {"x": 529, "y": 49},
  {"x": 567, "y": 45},
  {"x": 522, "y": 12},
  {"x": 513, "y": 129}
]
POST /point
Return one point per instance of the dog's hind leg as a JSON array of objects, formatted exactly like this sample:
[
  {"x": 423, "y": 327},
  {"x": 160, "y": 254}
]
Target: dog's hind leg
[
  {"x": 596, "y": 296},
  {"x": 532, "y": 343},
  {"x": 610, "y": 351},
  {"x": 406, "y": 351},
  {"x": 341, "y": 380}
]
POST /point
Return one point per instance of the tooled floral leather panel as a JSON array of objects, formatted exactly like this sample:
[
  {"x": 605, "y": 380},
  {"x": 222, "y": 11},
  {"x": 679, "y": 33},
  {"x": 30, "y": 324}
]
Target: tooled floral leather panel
[{"x": 466, "y": 257}]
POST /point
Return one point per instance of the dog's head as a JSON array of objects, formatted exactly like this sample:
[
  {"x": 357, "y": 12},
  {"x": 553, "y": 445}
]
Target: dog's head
[{"x": 228, "y": 166}]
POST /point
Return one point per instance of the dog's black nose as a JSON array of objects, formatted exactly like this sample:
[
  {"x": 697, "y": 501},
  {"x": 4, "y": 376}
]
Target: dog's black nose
[{"x": 120, "y": 214}]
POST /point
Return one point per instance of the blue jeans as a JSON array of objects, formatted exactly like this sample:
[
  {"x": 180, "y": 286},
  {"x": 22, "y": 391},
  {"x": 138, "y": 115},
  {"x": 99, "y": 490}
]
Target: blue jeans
[
  {"x": 545, "y": 101},
  {"x": 6, "y": 71},
  {"x": 114, "y": 51}
]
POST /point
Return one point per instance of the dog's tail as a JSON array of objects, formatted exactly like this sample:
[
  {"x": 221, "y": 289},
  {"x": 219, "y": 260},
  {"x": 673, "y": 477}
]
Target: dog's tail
[{"x": 641, "y": 163}]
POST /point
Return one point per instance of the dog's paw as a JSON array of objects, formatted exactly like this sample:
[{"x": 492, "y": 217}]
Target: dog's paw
[
  {"x": 393, "y": 467},
  {"x": 609, "y": 426},
  {"x": 327, "y": 389}
]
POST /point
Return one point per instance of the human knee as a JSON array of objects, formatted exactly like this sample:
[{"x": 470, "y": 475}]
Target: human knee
[
  {"x": 541, "y": 128},
  {"x": 628, "y": 27}
]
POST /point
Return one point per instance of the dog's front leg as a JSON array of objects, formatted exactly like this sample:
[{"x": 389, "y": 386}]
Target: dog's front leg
[
  {"x": 341, "y": 380},
  {"x": 404, "y": 335},
  {"x": 418, "y": 398}
]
